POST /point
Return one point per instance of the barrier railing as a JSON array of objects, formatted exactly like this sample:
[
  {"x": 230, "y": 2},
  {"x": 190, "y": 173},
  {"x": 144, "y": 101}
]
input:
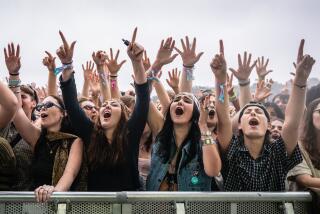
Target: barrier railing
[{"x": 157, "y": 202}]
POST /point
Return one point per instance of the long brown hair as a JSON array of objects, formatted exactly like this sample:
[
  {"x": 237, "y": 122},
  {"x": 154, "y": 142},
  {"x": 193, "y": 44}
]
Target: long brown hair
[
  {"x": 103, "y": 153},
  {"x": 309, "y": 135}
]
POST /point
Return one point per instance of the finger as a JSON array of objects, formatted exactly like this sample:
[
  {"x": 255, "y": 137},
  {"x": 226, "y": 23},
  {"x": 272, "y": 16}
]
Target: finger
[
  {"x": 245, "y": 59},
  {"x": 111, "y": 54},
  {"x": 159, "y": 74},
  {"x": 172, "y": 45},
  {"x": 18, "y": 51},
  {"x": 179, "y": 51},
  {"x": 170, "y": 75},
  {"x": 162, "y": 44},
  {"x": 194, "y": 43},
  {"x": 117, "y": 55},
  {"x": 65, "y": 43},
  {"x": 221, "y": 47},
  {"x": 83, "y": 68},
  {"x": 258, "y": 63},
  {"x": 187, "y": 43},
  {"x": 49, "y": 54},
  {"x": 134, "y": 35},
  {"x": 121, "y": 63},
  {"x": 300, "y": 51},
  {"x": 5, "y": 53},
  {"x": 72, "y": 46},
  {"x": 183, "y": 45},
  {"x": 36, "y": 192},
  {"x": 233, "y": 71},
  {"x": 262, "y": 62},
  {"x": 239, "y": 61},
  {"x": 9, "y": 50},
  {"x": 173, "y": 57},
  {"x": 168, "y": 82},
  {"x": 231, "y": 78},
  {"x": 253, "y": 65},
  {"x": 12, "y": 49},
  {"x": 198, "y": 56},
  {"x": 269, "y": 71},
  {"x": 267, "y": 62}
]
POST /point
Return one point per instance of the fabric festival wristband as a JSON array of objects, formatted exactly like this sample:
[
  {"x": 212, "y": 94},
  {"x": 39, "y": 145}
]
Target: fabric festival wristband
[
  {"x": 113, "y": 83},
  {"x": 62, "y": 68},
  {"x": 189, "y": 72},
  {"x": 14, "y": 83},
  {"x": 221, "y": 94},
  {"x": 233, "y": 97},
  {"x": 153, "y": 79}
]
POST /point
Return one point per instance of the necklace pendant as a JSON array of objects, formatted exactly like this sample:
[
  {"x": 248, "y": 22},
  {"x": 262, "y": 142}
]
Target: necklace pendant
[{"x": 51, "y": 152}]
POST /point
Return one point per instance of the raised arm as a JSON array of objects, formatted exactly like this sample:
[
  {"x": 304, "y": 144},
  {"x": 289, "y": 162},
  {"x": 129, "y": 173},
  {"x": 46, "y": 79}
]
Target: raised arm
[
  {"x": 114, "y": 67},
  {"x": 99, "y": 58},
  {"x": 189, "y": 59},
  {"x": 43, "y": 193},
  {"x": 80, "y": 122},
  {"x": 232, "y": 94},
  {"x": 87, "y": 74},
  {"x": 210, "y": 153},
  {"x": 174, "y": 79},
  {"x": 242, "y": 74},
  {"x": 296, "y": 103},
  {"x": 261, "y": 68},
  {"x": 219, "y": 68},
  {"x": 49, "y": 62},
  {"x": 26, "y": 129}
]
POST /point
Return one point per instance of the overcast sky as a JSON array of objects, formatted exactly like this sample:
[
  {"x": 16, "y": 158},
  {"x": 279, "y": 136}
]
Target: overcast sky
[{"x": 271, "y": 28}]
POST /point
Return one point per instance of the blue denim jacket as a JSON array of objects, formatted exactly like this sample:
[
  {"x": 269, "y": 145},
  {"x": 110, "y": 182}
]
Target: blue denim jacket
[{"x": 190, "y": 176}]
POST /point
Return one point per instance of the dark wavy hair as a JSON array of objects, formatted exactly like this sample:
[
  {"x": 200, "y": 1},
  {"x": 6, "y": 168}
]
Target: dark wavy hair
[
  {"x": 101, "y": 152},
  {"x": 166, "y": 136},
  {"x": 276, "y": 108},
  {"x": 309, "y": 135}
]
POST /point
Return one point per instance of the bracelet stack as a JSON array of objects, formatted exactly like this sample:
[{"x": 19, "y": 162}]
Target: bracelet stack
[
  {"x": 207, "y": 139},
  {"x": 13, "y": 83}
]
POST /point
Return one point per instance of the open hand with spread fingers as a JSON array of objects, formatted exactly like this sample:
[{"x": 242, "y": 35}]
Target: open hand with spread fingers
[
  {"x": 174, "y": 78},
  {"x": 112, "y": 63},
  {"x": 88, "y": 70},
  {"x": 261, "y": 68},
  {"x": 245, "y": 67},
  {"x": 188, "y": 52},
  {"x": 12, "y": 59},
  {"x": 164, "y": 55}
]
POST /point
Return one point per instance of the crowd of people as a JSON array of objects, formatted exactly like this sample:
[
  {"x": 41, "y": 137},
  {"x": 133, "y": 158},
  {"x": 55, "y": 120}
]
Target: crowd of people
[{"x": 104, "y": 139}]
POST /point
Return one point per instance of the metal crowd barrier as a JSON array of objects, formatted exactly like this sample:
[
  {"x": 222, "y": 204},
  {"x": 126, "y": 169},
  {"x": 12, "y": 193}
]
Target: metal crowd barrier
[{"x": 157, "y": 202}]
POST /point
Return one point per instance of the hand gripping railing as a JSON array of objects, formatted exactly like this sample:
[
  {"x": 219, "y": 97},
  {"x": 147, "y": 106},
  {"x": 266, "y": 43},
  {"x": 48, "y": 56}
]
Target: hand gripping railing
[{"x": 157, "y": 202}]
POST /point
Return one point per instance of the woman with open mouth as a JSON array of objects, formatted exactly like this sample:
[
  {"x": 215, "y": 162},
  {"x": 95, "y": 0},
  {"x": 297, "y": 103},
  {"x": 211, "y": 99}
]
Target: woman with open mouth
[
  {"x": 57, "y": 153},
  {"x": 112, "y": 141}
]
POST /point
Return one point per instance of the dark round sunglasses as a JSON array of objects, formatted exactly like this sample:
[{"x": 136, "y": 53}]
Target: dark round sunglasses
[{"x": 47, "y": 105}]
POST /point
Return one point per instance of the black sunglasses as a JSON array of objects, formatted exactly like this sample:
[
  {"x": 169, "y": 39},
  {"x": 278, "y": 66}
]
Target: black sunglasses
[
  {"x": 47, "y": 105},
  {"x": 89, "y": 107}
]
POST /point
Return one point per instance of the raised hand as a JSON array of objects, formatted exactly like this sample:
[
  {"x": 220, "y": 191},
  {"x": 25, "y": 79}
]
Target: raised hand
[
  {"x": 112, "y": 63},
  {"x": 49, "y": 62},
  {"x": 135, "y": 51},
  {"x": 146, "y": 61},
  {"x": 219, "y": 66},
  {"x": 174, "y": 78},
  {"x": 300, "y": 54},
  {"x": 88, "y": 70},
  {"x": 65, "y": 52},
  {"x": 99, "y": 58},
  {"x": 244, "y": 70},
  {"x": 261, "y": 68},
  {"x": 188, "y": 55},
  {"x": 204, "y": 113},
  {"x": 12, "y": 58},
  {"x": 263, "y": 90},
  {"x": 94, "y": 83},
  {"x": 230, "y": 87},
  {"x": 303, "y": 67},
  {"x": 164, "y": 55}
]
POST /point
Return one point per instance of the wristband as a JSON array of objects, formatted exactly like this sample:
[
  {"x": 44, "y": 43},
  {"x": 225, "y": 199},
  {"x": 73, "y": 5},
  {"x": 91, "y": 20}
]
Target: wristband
[
  {"x": 14, "y": 83},
  {"x": 189, "y": 72},
  {"x": 62, "y": 68},
  {"x": 233, "y": 97},
  {"x": 221, "y": 94},
  {"x": 68, "y": 63},
  {"x": 208, "y": 141},
  {"x": 17, "y": 74},
  {"x": 113, "y": 83},
  {"x": 153, "y": 79},
  {"x": 300, "y": 86},
  {"x": 102, "y": 76},
  {"x": 244, "y": 82},
  {"x": 206, "y": 133}
]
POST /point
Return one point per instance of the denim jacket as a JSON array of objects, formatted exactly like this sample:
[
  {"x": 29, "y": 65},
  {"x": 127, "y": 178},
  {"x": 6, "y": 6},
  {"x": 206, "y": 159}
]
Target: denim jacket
[{"x": 190, "y": 176}]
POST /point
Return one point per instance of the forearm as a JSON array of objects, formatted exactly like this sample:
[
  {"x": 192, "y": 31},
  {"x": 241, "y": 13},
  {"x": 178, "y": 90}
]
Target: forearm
[
  {"x": 236, "y": 104},
  {"x": 224, "y": 123},
  {"x": 52, "y": 84},
  {"x": 9, "y": 104},
  {"x": 308, "y": 181},
  {"x": 85, "y": 89},
  {"x": 162, "y": 95},
  {"x": 155, "y": 119},
  {"x": 139, "y": 72},
  {"x": 244, "y": 95},
  {"x": 114, "y": 88},
  {"x": 211, "y": 160},
  {"x": 186, "y": 80},
  {"x": 104, "y": 84}
]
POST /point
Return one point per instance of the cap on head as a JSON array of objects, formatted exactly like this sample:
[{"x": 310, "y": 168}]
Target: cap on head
[{"x": 259, "y": 105}]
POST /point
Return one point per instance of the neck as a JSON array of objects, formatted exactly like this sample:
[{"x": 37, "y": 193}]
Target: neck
[
  {"x": 254, "y": 145},
  {"x": 109, "y": 134},
  {"x": 181, "y": 132},
  {"x": 55, "y": 128}
]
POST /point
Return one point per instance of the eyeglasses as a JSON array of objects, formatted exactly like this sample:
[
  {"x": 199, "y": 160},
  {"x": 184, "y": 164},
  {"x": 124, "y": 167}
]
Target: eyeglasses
[
  {"x": 47, "y": 105},
  {"x": 317, "y": 110},
  {"x": 89, "y": 107}
]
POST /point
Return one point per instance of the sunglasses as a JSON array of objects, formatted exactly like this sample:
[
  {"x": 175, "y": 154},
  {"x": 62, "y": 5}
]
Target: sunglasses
[
  {"x": 47, "y": 105},
  {"x": 317, "y": 110},
  {"x": 89, "y": 107}
]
